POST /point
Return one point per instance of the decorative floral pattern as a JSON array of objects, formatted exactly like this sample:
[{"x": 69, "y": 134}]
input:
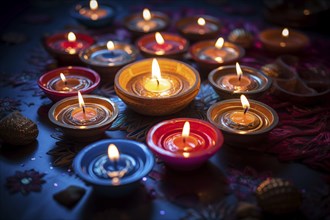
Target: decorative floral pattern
[{"x": 25, "y": 182}]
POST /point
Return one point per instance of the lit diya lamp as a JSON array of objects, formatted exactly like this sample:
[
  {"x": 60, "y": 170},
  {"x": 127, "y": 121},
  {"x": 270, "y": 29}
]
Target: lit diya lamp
[
  {"x": 94, "y": 14},
  {"x": 83, "y": 118},
  {"x": 211, "y": 54},
  {"x": 243, "y": 123},
  {"x": 232, "y": 81},
  {"x": 162, "y": 45},
  {"x": 67, "y": 81},
  {"x": 153, "y": 88},
  {"x": 114, "y": 167},
  {"x": 107, "y": 58},
  {"x": 65, "y": 47},
  {"x": 283, "y": 41},
  {"x": 146, "y": 22},
  {"x": 184, "y": 143},
  {"x": 196, "y": 28}
]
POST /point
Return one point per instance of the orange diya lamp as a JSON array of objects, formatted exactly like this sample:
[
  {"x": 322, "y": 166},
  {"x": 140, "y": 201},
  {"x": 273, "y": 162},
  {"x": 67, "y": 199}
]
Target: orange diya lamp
[
  {"x": 169, "y": 87},
  {"x": 211, "y": 54},
  {"x": 232, "y": 81},
  {"x": 162, "y": 45},
  {"x": 283, "y": 40},
  {"x": 83, "y": 122},
  {"x": 243, "y": 122}
]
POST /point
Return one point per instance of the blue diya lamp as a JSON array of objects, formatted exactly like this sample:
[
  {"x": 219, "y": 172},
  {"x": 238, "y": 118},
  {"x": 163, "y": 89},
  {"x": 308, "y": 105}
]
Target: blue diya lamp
[
  {"x": 94, "y": 13},
  {"x": 114, "y": 167}
]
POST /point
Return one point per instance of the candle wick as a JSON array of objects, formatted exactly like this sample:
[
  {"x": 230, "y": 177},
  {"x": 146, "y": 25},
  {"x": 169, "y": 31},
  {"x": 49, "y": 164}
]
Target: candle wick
[
  {"x": 239, "y": 77},
  {"x": 184, "y": 139},
  {"x": 245, "y": 110},
  {"x": 83, "y": 108},
  {"x": 65, "y": 82},
  {"x": 157, "y": 82}
]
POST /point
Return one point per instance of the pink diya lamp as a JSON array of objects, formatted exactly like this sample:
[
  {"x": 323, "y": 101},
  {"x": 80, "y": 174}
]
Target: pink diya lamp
[
  {"x": 67, "y": 81},
  {"x": 184, "y": 143}
]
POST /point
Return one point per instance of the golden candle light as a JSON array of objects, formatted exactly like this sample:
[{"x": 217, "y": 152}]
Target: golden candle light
[
  {"x": 71, "y": 37},
  {"x": 110, "y": 45},
  {"x": 63, "y": 78},
  {"x": 83, "y": 113},
  {"x": 159, "y": 38},
  {"x": 156, "y": 83},
  {"x": 219, "y": 43},
  {"x": 146, "y": 14},
  {"x": 113, "y": 153},
  {"x": 93, "y": 4},
  {"x": 201, "y": 21},
  {"x": 285, "y": 36}
]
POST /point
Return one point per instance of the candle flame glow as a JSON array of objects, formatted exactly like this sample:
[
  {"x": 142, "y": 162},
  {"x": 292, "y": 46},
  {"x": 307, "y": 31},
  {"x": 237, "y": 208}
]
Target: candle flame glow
[
  {"x": 186, "y": 129},
  {"x": 239, "y": 71},
  {"x": 113, "y": 152},
  {"x": 93, "y": 4},
  {"x": 146, "y": 14},
  {"x": 285, "y": 32},
  {"x": 219, "y": 43},
  {"x": 71, "y": 37},
  {"x": 201, "y": 21},
  {"x": 245, "y": 103},
  {"x": 81, "y": 100},
  {"x": 110, "y": 45},
  {"x": 62, "y": 77},
  {"x": 155, "y": 70},
  {"x": 159, "y": 38}
]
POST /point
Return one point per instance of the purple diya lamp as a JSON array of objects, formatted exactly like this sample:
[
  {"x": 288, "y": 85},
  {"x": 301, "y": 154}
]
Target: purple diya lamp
[
  {"x": 83, "y": 118},
  {"x": 67, "y": 81},
  {"x": 163, "y": 45},
  {"x": 243, "y": 124},
  {"x": 211, "y": 54},
  {"x": 114, "y": 167},
  {"x": 94, "y": 14},
  {"x": 65, "y": 47},
  {"x": 184, "y": 143},
  {"x": 146, "y": 22},
  {"x": 196, "y": 28},
  {"x": 232, "y": 81},
  {"x": 107, "y": 58}
]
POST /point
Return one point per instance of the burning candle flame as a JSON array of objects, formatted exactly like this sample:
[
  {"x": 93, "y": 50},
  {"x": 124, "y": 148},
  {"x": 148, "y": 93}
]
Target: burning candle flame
[
  {"x": 81, "y": 100},
  {"x": 155, "y": 71},
  {"x": 71, "y": 37},
  {"x": 93, "y": 4},
  {"x": 219, "y": 43},
  {"x": 239, "y": 71},
  {"x": 285, "y": 32},
  {"x": 186, "y": 129},
  {"x": 146, "y": 14},
  {"x": 110, "y": 45},
  {"x": 113, "y": 152},
  {"x": 159, "y": 38},
  {"x": 63, "y": 77},
  {"x": 201, "y": 21},
  {"x": 245, "y": 103}
]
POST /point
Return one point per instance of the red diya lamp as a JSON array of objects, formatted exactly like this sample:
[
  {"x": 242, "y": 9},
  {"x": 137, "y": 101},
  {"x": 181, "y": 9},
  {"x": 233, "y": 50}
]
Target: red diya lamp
[
  {"x": 184, "y": 143},
  {"x": 67, "y": 81},
  {"x": 146, "y": 22},
  {"x": 65, "y": 47},
  {"x": 162, "y": 45},
  {"x": 283, "y": 41},
  {"x": 211, "y": 54},
  {"x": 198, "y": 27}
]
